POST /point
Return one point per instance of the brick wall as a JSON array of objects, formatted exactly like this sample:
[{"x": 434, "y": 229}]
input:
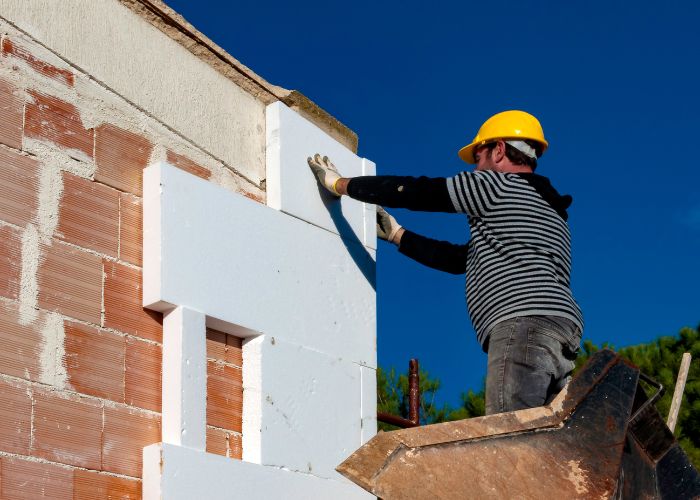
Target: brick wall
[{"x": 80, "y": 367}]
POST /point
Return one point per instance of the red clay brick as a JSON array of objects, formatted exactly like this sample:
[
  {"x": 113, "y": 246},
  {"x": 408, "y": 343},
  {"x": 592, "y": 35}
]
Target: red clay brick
[
  {"x": 123, "y": 310},
  {"x": 89, "y": 485},
  {"x": 21, "y": 344},
  {"x": 126, "y": 433},
  {"x": 11, "y": 116},
  {"x": 235, "y": 446},
  {"x": 121, "y": 156},
  {"x": 224, "y": 396},
  {"x": 62, "y": 75},
  {"x": 253, "y": 196},
  {"x": 216, "y": 344},
  {"x": 67, "y": 430},
  {"x": 217, "y": 441},
  {"x": 15, "y": 417},
  {"x": 51, "y": 119},
  {"x": 22, "y": 479},
  {"x": 187, "y": 165},
  {"x": 224, "y": 347},
  {"x": 70, "y": 281},
  {"x": 143, "y": 374},
  {"x": 89, "y": 215},
  {"x": 94, "y": 361},
  {"x": 19, "y": 185},
  {"x": 10, "y": 261},
  {"x": 234, "y": 350},
  {"x": 130, "y": 229}
]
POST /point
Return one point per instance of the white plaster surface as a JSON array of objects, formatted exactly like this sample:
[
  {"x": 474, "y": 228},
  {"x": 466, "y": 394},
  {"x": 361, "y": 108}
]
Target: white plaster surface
[
  {"x": 53, "y": 353},
  {"x": 122, "y": 51},
  {"x": 175, "y": 473},
  {"x": 255, "y": 267},
  {"x": 292, "y": 187},
  {"x": 184, "y": 378},
  {"x": 29, "y": 281}
]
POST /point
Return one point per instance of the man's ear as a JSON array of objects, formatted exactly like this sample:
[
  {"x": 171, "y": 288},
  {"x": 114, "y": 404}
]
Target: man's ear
[{"x": 499, "y": 151}]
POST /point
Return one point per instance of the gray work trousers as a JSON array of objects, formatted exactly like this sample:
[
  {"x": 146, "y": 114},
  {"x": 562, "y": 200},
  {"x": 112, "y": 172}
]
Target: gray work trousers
[{"x": 530, "y": 360}]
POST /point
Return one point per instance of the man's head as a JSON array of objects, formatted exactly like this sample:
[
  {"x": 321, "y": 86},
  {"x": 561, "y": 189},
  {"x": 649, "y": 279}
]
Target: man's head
[
  {"x": 505, "y": 156},
  {"x": 510, "y": 141}
]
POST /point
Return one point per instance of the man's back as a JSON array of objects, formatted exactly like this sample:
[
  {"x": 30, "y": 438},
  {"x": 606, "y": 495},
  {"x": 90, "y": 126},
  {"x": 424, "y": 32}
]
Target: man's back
[{"x": 519, "y": 256}]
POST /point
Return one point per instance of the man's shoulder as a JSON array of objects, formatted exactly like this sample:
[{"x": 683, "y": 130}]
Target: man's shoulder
[
  {"x": 490, "y": 177},
  {"x": 549, "y": 194},
  {"x": 485, "y": 175}
]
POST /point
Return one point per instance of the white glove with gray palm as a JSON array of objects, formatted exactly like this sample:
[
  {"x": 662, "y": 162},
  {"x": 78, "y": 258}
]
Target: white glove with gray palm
[
  {"x": 325, "y": 172},
  {"x": 387, "y": 227}
]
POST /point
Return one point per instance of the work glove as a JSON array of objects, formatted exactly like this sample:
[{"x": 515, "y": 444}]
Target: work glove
[
  {"x": 325, "y": 172},
  {"x": 387, "y": 227}
]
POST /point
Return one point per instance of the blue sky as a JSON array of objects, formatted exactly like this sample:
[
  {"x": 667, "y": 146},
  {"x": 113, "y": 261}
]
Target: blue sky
[{"x": 615, "y": 85}]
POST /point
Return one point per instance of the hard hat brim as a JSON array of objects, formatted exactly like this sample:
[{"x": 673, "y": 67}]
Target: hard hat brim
[{"x": 467, "y": 152}]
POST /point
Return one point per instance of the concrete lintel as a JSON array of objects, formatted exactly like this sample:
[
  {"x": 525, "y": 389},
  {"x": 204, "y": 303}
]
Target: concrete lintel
[
  {"x": 321, "y": 118},
  {"x": 172, "y": 24}
]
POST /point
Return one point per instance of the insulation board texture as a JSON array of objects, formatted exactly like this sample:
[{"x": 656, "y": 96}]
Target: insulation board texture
[
  {"x": 304, "y": 299},
  {"x": 187, "y": 474},
  {"x": 255, "y": 269},
  {"x": 292, "y": 187}
]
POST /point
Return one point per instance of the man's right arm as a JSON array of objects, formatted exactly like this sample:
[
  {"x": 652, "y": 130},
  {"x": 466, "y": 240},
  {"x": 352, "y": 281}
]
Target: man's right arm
[{"x": 440, "y": 255}]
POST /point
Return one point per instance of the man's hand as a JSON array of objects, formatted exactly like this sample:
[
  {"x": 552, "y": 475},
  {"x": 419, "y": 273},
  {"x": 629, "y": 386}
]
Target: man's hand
[
  {"x": 325, "y": 172},
  {"x": 387, "y": 227}
]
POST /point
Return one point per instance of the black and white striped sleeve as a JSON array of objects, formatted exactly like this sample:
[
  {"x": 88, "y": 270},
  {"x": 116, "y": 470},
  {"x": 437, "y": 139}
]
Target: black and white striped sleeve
[{"x": 475, "y": 193}]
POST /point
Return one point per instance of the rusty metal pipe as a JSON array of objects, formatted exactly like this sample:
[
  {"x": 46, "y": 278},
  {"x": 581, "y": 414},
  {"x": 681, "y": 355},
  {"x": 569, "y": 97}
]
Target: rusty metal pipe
[
  {"x": 413, "y": 392},
  {"x": 390, "y": 419},
  {"x": 413, "y": 401}
]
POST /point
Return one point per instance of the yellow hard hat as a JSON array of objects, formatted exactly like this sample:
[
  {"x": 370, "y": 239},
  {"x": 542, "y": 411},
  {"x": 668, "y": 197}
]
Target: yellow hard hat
[{"x": 506, "y": 125}]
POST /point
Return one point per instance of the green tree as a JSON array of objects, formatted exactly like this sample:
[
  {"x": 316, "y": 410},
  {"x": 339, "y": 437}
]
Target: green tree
[
  {"x": 392, "y": 396},
  {"x": 660, "y": 360},
  {"x": 473, "y": 405}
]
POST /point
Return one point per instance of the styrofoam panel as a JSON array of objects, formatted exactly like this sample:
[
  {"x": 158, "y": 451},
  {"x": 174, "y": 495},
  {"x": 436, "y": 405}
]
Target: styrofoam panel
[
  {"x": 181, "y": 473},
  {"x": 368, "y": 411},
  {"x": 252, "y": 399},
  {"x": 247, "y": 264},
  {"x": 151, "y": 476},
  {"x": 184, "y": 378},
  {"x": 310, "y": 401},
  {"x": 292, "y": 187},
  {"x": 369, "y": 168}
]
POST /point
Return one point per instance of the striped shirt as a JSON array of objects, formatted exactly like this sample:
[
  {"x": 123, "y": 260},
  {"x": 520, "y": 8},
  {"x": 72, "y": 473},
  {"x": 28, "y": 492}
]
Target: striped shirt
[
  {"x": 519, "y": 255},
  {"x": 518, "y": 260}
]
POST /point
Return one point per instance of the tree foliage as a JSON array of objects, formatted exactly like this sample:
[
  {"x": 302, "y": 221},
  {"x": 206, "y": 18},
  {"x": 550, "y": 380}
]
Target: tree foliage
[{"x": 659, "y": 359}]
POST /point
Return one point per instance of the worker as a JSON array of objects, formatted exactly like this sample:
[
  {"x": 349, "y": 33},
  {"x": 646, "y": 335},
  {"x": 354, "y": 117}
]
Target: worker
[{"x": 517, "y": 261}]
